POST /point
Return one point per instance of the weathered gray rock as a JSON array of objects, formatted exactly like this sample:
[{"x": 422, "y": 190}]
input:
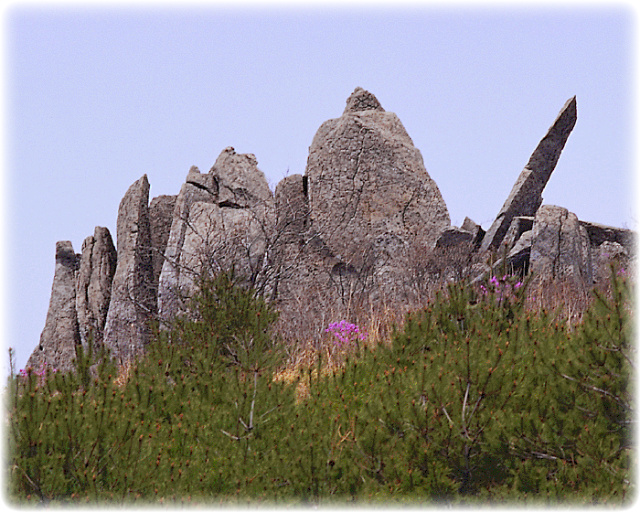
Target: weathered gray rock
[
  {"x": 454, "y": 236},
  {"x": 599, "y": 233},
  {"x": 608, "y": 254},
  {"x": 240, "y": 183},
  {"x": 93, "y": 285},
  {"x": 292, "y": 208},
  {"x": 526, "y": 195},
  {"x": 520, "y": 254},
  {"x": 219, "y": 239},
  {"x": 160, "y": 220},
  {"x": 60, "y": 335},
  {"x": 519, "y": 225},
  {"x": 475, "y": 229},
  {"x": 210, "y": 238},
  {"x": 560, "y": 247},
  {"x": 197, "y": 188},
  {"x": 369, "y": 192},
  {"x": 133, "y": 300}
]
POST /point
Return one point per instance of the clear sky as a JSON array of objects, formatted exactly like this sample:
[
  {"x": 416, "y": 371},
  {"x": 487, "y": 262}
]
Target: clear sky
[{"x": 95, "y": 97}]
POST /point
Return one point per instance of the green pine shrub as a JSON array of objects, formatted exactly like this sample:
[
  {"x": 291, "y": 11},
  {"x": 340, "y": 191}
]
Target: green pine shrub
[{"x": 474, "y": 399}]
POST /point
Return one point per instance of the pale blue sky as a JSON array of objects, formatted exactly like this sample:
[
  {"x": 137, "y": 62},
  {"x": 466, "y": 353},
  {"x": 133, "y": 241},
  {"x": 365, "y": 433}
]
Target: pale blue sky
[{"x": 96, "y": 97}]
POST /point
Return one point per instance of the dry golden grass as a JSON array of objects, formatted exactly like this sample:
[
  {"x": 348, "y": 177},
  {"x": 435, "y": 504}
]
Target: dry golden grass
[{"x": 565, "y": 298}]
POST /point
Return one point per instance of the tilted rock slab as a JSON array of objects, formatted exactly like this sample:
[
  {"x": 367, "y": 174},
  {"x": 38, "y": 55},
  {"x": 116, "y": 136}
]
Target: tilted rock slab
[
  {"x": 369, "y": 191},
  {"x": 60, "y": 335},
  {"x": 560, "y": 247},
  {"x": 526, "y": 195},
  {"x": 133, "y": 300},
  {"x": 93, "y": 285}
]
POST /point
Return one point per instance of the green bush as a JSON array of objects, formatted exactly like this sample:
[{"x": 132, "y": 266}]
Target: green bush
[{"x": 473, "y": 400}]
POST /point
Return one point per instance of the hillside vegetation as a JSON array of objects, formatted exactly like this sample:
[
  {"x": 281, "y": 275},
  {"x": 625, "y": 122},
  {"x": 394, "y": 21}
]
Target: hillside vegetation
[{"x": 474, "y": 398}]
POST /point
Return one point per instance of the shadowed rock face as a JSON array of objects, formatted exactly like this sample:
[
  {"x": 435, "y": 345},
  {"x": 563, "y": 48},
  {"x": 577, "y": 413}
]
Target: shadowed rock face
[
  {"x": 160, "y": 220},
  {"x": 526, "y": 195},
  {"x": 133, "y": 299},
  {"x": 93, "y": 286},
  {"x": 60, "y": 335},
  {"x": 369, "y": 191}
]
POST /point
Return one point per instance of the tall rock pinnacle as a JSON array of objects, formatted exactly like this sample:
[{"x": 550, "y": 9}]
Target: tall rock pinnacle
[
  {"x": 60, "y": 335},
  {"x": 133, "y": 297}
]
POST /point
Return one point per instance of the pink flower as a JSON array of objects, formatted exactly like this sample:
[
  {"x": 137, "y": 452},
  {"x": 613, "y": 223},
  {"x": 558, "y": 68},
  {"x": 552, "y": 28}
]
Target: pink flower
[{"x": 345, "y": 332}]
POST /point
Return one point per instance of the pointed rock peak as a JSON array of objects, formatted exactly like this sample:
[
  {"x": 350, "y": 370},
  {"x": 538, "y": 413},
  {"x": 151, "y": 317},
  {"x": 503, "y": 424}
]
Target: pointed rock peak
[
  {"x": 194, "y": 169},
  {"x": 567, "y": 116},
  {"x": 65, "y": 254},
  {"x": 362, "y": 100}
]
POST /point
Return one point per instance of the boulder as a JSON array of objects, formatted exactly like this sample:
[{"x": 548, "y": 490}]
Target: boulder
[
  {"x": 519, "y": 225},
  {"x": 57, "y": 347},
  {"x": 93, "y": 285},
  {"x": 519, "y": 256},
  {"x": 369, "y": 192},
  {"x": 608, "y": 254},
  {"x": 210, "y": 238},
  {"x": 560, "y": 247},
  {"x": 292, "y": 208},
  {"x": 133, "y": 300},
  {"x": 526, "y": 195},
  {"x": 221, "y": 239}
]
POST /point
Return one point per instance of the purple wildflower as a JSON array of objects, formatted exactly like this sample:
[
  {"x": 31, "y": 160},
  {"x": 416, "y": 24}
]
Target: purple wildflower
[{"x": 345, "y": 332}]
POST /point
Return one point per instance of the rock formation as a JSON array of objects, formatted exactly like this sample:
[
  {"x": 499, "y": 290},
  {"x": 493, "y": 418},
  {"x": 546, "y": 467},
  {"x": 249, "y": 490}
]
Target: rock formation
[
  {"x": 209, "y": 217},
  {"x": 60, "y": 335},
  {"x": 133, "y": 300},
  {"x": 160, "y": 220},
  {"x": 560, "y": 246},
  {"x": 364, "y": 226},
  {"x": 198, "y": 187},
  {"x": 93, "y": 285},
  {"x": 526, "y": 196},
  {"x": 355, "y": 167}
]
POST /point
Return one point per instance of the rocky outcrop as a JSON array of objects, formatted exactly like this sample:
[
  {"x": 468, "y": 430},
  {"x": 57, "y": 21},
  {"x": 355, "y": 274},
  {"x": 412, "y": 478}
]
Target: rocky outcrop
[
  {"x": 364, "y": 227},
  {"x": 599, "y": 233},
  {"x": 369, "y": 191},
  {"x": 60, "y": 336},
  {"x": 220, "y": 238},
  {"x": 454, "y": 236},
  {"x": 240, "y": 183},
  {"x": 225, "y": 214},
  {"x": 198, "y": 187},
  {"x": 133, "y": 300},
  {"x": 475, "y": 229},
  {"x": 560, "y": 247},
  {"x": 93, "y": 285},
  {"x": 526, "y": 195}
]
